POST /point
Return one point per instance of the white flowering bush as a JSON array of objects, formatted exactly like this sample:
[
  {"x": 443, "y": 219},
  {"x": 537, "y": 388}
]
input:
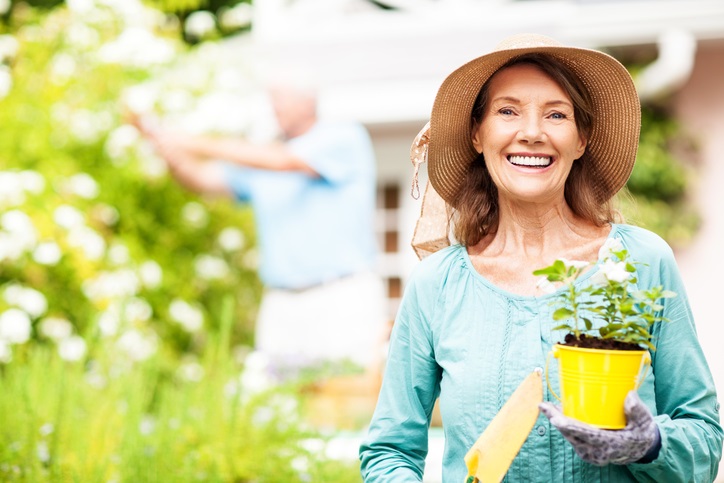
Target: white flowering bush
[
  {"x": 96, "y": 241},
  {"x": 609, "y": 307},
  {"x": 126, "y": 303}
]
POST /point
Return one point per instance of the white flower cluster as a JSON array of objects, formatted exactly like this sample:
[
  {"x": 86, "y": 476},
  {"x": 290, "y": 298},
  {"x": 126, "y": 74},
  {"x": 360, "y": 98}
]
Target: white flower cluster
[
  {"x": 27, "y": 304},
  {"x": 610, "y": 269}
]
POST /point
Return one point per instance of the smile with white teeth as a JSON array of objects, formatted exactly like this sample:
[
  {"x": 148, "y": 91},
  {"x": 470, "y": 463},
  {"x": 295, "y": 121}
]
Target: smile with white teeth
[{"x": 530, "y": 161}]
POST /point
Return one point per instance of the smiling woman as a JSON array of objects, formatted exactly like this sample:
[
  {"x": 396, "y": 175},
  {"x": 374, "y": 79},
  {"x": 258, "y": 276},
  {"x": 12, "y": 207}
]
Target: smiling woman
[{"x": 528, "y": 144}]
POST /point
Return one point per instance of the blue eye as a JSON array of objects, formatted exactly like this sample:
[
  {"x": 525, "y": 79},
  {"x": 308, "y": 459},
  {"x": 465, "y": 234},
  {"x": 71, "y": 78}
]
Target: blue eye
[
  {"x": 558, "y": 115},
  {"x": 506, "y": 111}
]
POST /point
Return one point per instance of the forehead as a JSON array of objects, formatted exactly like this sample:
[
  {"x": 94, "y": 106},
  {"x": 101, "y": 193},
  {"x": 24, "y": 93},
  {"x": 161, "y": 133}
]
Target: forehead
[{"x": 525, "y": 81}]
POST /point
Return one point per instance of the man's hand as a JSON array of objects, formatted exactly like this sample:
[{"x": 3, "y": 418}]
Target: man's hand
[{"x": 601, "y": 446}]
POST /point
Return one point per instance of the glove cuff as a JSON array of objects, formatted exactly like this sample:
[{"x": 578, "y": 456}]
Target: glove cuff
[{"x": 653, "y": 451}]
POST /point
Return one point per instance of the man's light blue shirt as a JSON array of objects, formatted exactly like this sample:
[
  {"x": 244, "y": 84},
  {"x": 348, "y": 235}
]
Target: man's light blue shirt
[{"x": 311, "y": 230}]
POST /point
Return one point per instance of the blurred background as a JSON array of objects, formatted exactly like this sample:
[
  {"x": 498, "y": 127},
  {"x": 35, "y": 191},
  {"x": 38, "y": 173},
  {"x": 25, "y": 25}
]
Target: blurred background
[{"x": 128, "y": 304}]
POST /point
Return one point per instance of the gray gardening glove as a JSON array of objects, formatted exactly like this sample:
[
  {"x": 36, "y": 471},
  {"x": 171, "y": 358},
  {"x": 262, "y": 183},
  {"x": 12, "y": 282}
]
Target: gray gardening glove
[{"x": 600, "y": 447}]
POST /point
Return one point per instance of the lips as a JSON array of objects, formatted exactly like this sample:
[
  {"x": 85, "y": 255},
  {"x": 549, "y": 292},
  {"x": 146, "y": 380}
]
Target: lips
[{"x": 531, "y": 161}]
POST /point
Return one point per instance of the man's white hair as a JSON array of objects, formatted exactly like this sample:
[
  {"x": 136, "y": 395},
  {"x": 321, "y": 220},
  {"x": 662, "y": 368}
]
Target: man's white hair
[{"x": 288, "y": 77}]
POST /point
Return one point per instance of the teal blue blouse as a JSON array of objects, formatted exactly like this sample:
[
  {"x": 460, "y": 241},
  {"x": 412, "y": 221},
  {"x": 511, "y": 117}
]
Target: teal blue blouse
[{"x": 462, "y": 339}]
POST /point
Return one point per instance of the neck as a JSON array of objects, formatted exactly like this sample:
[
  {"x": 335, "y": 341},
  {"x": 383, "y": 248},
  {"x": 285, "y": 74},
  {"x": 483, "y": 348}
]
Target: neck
[
  {"x": 301, "y": 127},
  {"x": 537, "y": 231}
]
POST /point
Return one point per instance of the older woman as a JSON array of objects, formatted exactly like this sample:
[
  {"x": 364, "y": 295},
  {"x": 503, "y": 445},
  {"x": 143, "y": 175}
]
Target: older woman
[{"x": 528, "y": 145}]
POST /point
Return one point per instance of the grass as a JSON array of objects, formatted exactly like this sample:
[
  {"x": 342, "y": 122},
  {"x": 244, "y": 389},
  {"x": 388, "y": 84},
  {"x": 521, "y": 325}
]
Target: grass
[{"x": 108, "y": 419}]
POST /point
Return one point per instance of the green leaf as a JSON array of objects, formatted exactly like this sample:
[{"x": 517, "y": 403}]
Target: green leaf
[{"x": 562, "y": 313}]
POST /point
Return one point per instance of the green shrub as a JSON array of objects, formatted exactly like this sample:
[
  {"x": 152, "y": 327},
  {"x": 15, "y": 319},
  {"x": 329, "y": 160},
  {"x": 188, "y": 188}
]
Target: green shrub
[{"x": 659, "y": 186}]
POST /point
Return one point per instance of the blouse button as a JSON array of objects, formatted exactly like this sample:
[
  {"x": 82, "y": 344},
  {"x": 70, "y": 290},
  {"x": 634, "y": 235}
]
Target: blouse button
[{"x": 541, "y": 430}]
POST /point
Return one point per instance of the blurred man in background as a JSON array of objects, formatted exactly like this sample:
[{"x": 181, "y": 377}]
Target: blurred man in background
[{"x": 313, "y": 197}]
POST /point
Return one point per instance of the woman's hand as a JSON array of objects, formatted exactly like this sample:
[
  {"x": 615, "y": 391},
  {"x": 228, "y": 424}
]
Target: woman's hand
[{"x": 601, "y": 446}]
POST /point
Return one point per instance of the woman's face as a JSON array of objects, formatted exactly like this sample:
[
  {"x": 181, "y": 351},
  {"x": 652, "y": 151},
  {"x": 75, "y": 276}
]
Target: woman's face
[{"x": 528, "y": 135}]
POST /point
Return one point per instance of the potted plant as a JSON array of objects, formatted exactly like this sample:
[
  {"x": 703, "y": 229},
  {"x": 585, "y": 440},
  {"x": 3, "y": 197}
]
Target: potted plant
[{"x": 605, "y": 353}]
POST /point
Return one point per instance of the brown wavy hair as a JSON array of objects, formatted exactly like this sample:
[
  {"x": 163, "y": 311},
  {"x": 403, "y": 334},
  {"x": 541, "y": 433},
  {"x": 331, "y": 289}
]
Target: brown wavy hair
[{"x": 476, "y": 214}]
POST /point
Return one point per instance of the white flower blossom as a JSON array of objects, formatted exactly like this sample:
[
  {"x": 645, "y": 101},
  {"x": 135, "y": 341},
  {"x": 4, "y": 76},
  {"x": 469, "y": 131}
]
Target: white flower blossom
[
  {"x": 31, "y": 181},
  {"x": 55, "y": 328},
  {"x": 42, "y": 451},
  {"x": 109, "y": 321},
  {"x": 47, "y": 253},
  {"x": 81, "y": 37},
  {"x": 106, "y": 214},
  {"x": 210, "y": 267},
  {"x": 545, "y": 285},
  {"x": 256, "y": 376},
  {"x": 88, "y": 241},
  {"x": 147, "y": 425},
  {"x": 15, "y": 326},
  {"x": 118, "y": 254},
  {"x": 80, "y": 6},
  {"x": 62, "y": 67},
  {"x": 231, "y": 239},
  {"x": 87, "y": 126},
  {"x": 141, "y": 98},
  {"x": 20, "y": 228},
  {"x": 300, "y": 464},
  {"x": 72, "y": 348},
  {"x": 8, "y": 44},
  {"x": 47, "y": 429},
  {"x": 225, "y": 112},
  {"x": 137, "y": 310},
  {"x": 112, "y": 285},
  {"x": 191, "y": 371},
  {"x": 83, "y": 185},
  {"x": 615, "y": 271},
  {"x": 26, "y": 298},
  {"x": 6, "y": 81},
  {"x": 176, "y": 100},
  {"x": 195, "y": 214},
  {"x": 200, "y": 23},
  {"x": 188, "y": 316},
  {"x": 120, "y": 140},
  {"x": 11, "y": 190},
  {"x": 137, "y": 345},
  {"x": 237, "y": 17},
  {"x": 609, "y": 246},
  {"x": 9, "y": 249},
  {"x": 137, "y": 47},
  {"x": 68, "y": 217},
  {"x": 150, "y": 274}
]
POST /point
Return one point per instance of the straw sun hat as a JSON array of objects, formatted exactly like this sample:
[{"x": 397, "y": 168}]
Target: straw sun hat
[{"x": 612, "y": 145}]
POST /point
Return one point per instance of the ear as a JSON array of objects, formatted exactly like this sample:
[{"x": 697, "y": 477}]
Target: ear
[
  {"x": 581, "y": 148},
  {"x": 477, "y": 138}
]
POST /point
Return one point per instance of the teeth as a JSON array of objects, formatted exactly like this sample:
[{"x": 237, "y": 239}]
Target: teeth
[{"x": 529, "y": 160}]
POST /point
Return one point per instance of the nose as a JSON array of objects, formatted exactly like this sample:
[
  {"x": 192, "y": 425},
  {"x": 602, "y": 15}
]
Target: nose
[{"x": 531, "y": 129}]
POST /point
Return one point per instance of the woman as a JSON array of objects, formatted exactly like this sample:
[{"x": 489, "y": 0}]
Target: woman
[{"x": 528, "y": 145}]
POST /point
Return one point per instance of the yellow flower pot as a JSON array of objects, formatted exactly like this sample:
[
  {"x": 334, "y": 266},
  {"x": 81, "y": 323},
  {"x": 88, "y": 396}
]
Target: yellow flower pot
[{"x": 595, "y": 382}]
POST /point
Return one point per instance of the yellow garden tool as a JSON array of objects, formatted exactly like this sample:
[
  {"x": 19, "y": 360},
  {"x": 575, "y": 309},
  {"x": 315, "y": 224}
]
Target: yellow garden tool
[{"x": 492, "y": 454}]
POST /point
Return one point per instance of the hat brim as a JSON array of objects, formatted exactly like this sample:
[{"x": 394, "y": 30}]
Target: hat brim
[{"x": 611, "y": 147}]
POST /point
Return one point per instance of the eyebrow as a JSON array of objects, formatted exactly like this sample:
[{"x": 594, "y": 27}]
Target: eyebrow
[{"x": 516, "y": 100}]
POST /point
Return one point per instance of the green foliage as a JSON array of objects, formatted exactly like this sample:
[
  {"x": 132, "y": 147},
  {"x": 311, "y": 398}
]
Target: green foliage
[
  {"x": 661, "y": 181},
  {"x": 607, "y": 307},
  {"x": 101, "y": 419},
  {"x": 136, "y": 252}
]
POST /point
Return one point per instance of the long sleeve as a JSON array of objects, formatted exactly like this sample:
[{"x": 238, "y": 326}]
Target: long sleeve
[
  {"x": 686, "y": 401},
  {"x": 396, "y": 444}
]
